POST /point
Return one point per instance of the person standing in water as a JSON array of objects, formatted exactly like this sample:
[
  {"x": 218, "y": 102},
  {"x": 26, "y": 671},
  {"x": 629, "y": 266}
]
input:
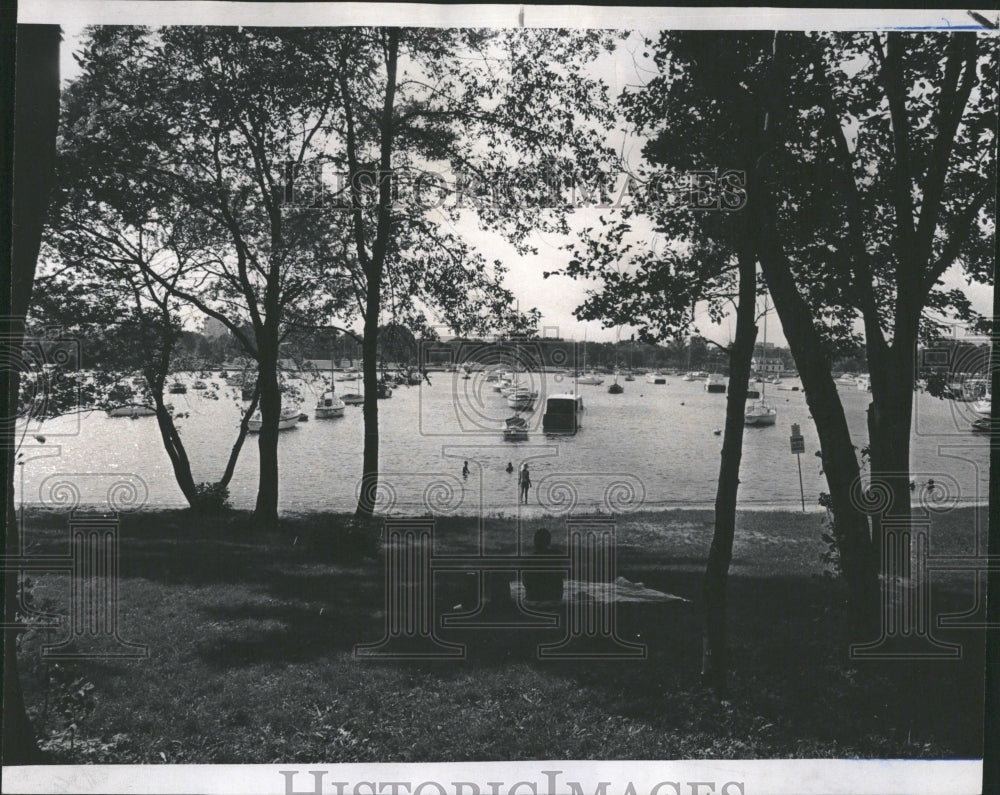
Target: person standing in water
[
  {"x": 465, "y": 471},
  {"x": 524, "y": 481},
  {"x": 510, "y": 467}
]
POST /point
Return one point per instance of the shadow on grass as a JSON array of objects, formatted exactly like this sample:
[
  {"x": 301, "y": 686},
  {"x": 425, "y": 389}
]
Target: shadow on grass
[{"x": 277, "y": 600}]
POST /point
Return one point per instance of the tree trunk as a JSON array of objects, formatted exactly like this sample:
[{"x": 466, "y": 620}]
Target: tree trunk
[
  {"x": 175, "y": 450},
  {"x": 715, "y": 654},
  {"x": 890, "y": 418},
  {"x": 840, "y": 463},
  {"x": 266, "y": 510},
  {"x": 36, "y": 118},
  {"x": 369, "y": 361},
  {"x": 234, "y": 454}
]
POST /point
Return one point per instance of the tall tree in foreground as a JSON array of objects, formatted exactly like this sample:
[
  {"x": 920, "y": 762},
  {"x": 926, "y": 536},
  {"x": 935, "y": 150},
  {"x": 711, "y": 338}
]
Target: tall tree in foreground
[
  {"x": 905, "y": 179},
  {"x": 196, "y": 125},
  {"x": 499, "y": 120},
  {"x": 35, "y": 116}
]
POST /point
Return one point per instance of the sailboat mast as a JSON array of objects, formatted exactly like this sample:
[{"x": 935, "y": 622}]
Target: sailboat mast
[{"x": 763, "y": 383}]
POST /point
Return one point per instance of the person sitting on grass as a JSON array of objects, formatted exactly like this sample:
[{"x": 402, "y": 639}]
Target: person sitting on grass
[{"x": 543, "y": 586}]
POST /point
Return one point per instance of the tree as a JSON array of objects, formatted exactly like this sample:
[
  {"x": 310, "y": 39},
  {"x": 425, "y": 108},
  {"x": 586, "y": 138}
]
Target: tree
[
  {"x": 911, "y": 198},
  {"x": 199, "y": 124},
  {"x": 35, "y": 115},
  {"x": 482, "y": 105}
]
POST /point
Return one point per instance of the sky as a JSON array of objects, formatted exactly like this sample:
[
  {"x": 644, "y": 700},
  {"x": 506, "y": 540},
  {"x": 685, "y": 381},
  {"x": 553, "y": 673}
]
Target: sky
[{"x": 557, "y": 296}]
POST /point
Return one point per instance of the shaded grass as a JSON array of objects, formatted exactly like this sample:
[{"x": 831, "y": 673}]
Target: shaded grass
[{"x": 251, "y": 643}]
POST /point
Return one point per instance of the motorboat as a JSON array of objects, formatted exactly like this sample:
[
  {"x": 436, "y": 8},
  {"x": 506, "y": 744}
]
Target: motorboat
[
  {"x": 288, "y": 419},
  {"x": 590, "y": 379},
  {"x": 863, "y": 383},
  {"x": 657, "y": 378},
  {"x": 177, "y": 388},
  {"x": 352, "y": 399},
  {"x": 199, "y": 385},
  {"x": 515, "y": 429},
  {"x": 329, "y": 406},
  {"x": 384, "y": 390},
  {"x": 616, "y": 388},
  {"x": 715, "y": 383},
  {"x": 630, "y": 377},
  {"x": 132, "y": 410},
  {"x": 984, "y": 406},
  {"x": 563, "y": 414},
  {"x": 846, "y": 379}
]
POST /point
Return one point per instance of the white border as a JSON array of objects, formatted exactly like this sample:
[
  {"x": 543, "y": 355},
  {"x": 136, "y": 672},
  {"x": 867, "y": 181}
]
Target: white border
[
  {"x": 211, "y": 12},
  {"x": 758, "y": 777}
]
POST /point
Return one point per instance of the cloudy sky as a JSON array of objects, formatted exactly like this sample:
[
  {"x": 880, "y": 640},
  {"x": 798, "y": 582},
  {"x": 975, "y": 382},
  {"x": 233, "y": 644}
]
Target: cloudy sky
[{"x": 557, "y": 297}]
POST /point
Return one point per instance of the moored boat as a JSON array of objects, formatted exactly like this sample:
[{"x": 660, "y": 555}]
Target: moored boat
[
  {"x": 288, "y": 419},
  {"x": 715, "y": 383},
  {"x": 563, "y": 414},
  {"x": 132, "y": 410},
  {"x": 329, "y": 406},
  {"x": 515, "y": 429}
]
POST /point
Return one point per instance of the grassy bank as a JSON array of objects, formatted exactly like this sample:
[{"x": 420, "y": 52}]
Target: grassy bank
[{"x": 251, "y": 642}]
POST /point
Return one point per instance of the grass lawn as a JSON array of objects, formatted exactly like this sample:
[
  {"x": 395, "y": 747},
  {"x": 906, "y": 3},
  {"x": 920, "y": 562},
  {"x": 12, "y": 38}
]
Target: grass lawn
[{"x": 251, "y": 642}]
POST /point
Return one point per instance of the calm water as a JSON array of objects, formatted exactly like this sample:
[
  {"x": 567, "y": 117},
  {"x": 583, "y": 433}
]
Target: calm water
[{"x": 653, "y": 446}]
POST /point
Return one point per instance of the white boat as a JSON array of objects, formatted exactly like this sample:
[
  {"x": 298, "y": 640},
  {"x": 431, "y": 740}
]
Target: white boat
[
  {"x": 984, "y": 406},
  {"x": 760, "y": 413},
  {"x": 329, "y": 406},
  {"x": 715, "y": 382},
  {"x": 847, "y": 379},
  {"x": 352, "y": 399},
  {"x": 288, "y": 419},
  {"x": 521, "y": 398},
  {"x": 591, "y": 378},
  {"x": 199, "y": 385},
  {"x": 563, "y": 414},
  {"x": 132, "y": 410},
  {"x": 688, "y": 377},
  {"x": 864, "y": 383},
  {"x": 656, "y": 378}
]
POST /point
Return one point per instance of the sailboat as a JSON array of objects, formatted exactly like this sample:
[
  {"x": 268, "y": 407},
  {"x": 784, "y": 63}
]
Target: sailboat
[
  {"x": 329, "y": 405},
  {"x": 616, "y": 388},
  {"x": 591, "y": 377},
  {"x": 520, "y": 398},
  {"x": 760, "y": 413},
  {"x": 354, "y": 398}
]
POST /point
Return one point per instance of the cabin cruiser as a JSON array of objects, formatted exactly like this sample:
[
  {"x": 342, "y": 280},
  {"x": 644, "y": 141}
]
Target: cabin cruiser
[
  {"x": 656, "y": 378},
  {"x": 590, "y": 379},
  {"x": 563, "y": 414},
  {"x": 715, "y": 382}
]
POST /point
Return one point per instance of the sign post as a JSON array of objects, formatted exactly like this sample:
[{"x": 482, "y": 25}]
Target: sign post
[{"x": 798, "y": 444}]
